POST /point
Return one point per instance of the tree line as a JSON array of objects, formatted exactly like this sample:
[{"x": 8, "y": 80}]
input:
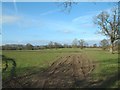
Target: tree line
[{"x": 104, "y": 44}]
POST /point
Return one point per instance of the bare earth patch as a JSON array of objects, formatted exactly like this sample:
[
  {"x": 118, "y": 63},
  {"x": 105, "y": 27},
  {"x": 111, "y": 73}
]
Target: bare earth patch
[{"x": 66, "y": 72}]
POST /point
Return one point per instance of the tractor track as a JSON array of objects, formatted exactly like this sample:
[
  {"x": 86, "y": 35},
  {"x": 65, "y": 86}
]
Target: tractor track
[{"x": 66, "y": 72}]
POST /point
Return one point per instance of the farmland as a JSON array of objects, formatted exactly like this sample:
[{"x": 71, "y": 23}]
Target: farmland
[
  {"x": 64, "y": 44},
  {"x": 36, "y": 61}
]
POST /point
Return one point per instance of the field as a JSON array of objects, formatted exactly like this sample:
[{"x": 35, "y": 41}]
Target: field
[{"x": 40, "y": 62}]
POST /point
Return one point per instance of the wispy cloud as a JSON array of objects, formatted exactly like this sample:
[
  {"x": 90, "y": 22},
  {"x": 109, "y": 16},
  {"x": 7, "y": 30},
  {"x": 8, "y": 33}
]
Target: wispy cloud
[
  {"x": 9, "y": 19},
  {"x": 82, "y": 19},
  {"x": 87, "y": 20},
  {"x": 33, "y": 42},
  {"x": 65, "y": 31},
  {"x": 23, "y": 22},
  {"x": 49, "y": 12}
]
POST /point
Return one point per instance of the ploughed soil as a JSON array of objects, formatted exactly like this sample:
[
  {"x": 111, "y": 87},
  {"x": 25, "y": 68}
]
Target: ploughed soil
[{"x": 69, "y": 71}]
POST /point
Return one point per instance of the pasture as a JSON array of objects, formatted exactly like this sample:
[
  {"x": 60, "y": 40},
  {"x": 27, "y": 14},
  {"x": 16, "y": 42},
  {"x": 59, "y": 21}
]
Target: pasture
[{"x": 36, "y": 61}]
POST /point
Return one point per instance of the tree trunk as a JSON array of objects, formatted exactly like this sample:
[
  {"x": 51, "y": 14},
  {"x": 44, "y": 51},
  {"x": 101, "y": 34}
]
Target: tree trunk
[{"x": 111, "y": 48}]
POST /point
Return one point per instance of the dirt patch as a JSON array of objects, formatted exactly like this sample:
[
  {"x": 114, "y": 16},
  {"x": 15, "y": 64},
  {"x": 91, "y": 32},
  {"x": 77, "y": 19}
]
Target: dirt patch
[{"x": 66, "y": 72}]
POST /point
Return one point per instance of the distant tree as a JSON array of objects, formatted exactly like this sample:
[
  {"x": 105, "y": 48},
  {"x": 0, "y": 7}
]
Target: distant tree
[
  {"x": 57, "y": 45},
  {"x": 104, "y": 44},
  {"x": 65, "y": 45},
  {"x": 108, "y": 23},
  {"x": 42, "y": 47},
  {"x": 29, "y": 46},
  {"x": 94, "y": 45},
  {"x": 19, "y": 47},
  {"x": 50, "y": 44},
  {"x": 75, "y": 43},
  {"x": 36, "y": 48},
  {"x": 86, "y": 44},
  {"x": 81, "y": 43}
]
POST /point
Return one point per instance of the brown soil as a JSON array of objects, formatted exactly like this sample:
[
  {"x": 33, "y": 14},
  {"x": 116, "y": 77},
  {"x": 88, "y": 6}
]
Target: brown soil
[{"x": 66, "y": 72}]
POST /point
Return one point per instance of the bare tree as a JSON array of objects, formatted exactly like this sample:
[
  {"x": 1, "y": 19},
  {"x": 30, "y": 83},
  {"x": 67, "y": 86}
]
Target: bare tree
[
  {"x": 95, "y": 45},
  {"x": 81, "y": 43},
  {"x": 75, "y": 43},
  {"x": 50, "y": 44},
  {"x": 57, "y": 45},
  {"x": 67, "y": 5},
  {"x": 108, "y": 23},
  {"x": 65, "y": 46},
  {"x": 29, "y": 46}
]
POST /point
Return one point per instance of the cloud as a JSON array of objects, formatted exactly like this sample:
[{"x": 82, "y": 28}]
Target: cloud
[
  {"x": 87, "y": 20},
  {"x": 38, "y": 42},
  {"x": 83, "y": 32},
  {"x": 64, "y": 27},
  {"x": 49, "y": 12},
  {"x": 33, "y": 42},
  {"x": 9, "y": 19},
  {"x": 23, "y": 22},
  {"x": 80, "y": 18},
  {"x": 65, "y": 31},
  {"x": 72, "y": 31}
]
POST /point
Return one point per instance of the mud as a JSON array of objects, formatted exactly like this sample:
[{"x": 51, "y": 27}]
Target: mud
[{"x": 67, "y": 72}]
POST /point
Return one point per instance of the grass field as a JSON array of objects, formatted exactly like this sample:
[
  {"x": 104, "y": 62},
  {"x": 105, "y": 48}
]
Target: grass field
[{"x": 36, "y": 61}]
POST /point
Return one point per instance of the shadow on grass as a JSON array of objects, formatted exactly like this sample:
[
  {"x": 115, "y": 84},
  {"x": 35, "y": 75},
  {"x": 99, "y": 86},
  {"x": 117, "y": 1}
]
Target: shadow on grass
[
  {"x": 108, "y": 82},
  {"x": 23, "y": 76},
  {"x": 23, "y": 81},
  {"x": 109, "y": 69}
]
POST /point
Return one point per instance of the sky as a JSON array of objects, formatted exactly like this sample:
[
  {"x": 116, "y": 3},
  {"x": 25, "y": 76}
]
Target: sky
[{"x": 39, "y": 23}]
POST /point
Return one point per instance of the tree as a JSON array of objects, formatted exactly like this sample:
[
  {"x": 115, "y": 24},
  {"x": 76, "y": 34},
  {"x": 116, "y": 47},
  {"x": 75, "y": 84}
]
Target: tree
[
  {"x": 86, "y": 44},
  {"x": 108, "y": 23},
  {"x": 94, "y": 45},
  {"x": 50, "y": 44},
  {"x": 75, "y": 43},
  {"x": 65, "y": 46},
  {"x": 57, "y": 45},
  {"x": 67, "y": 5},
  {"x": 81, "y": 43},
  {"x": 117, "y": 46},
  {"x": 104, "y": 44},
  {"x": 29, "y": 46}
]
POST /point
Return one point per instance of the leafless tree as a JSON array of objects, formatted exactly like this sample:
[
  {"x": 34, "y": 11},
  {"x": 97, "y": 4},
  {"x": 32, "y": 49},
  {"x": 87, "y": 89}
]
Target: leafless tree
[
  {"x": 81, "y": 43},
  {"x": 75, "y": 43},
  {"x": 50, "y": 44},
  {"x": 67, "y": 5},
  {"x": 108, "y": 24}
]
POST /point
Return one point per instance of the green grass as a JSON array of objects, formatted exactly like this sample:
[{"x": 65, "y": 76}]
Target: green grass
[
  {"x": 38, "y": 60},
  {"x": 30, "y": 61},
  {"x": 107, "y": 66}
]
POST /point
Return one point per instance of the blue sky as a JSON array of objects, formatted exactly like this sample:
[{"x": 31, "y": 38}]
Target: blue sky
[{"x": 40, "y": 22}]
